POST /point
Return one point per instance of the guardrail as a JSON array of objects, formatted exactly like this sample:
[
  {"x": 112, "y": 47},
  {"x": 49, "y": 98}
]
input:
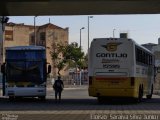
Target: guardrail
[{"x": 156, "y": 92}]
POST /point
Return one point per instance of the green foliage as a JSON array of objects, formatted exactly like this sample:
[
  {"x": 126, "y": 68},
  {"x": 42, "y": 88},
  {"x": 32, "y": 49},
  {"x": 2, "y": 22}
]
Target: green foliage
[
  {"x": 67, "y": 54},
  {"x": 57, "y": 56}
]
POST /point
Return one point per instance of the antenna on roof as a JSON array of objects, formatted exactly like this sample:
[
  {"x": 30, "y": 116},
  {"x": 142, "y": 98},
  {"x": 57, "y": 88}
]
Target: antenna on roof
[{"x": 49, "y": 20}]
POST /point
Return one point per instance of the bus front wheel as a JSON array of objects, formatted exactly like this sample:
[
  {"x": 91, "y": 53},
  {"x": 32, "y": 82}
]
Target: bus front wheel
[
  {"x": 43, "y": 98},
  {"x": 11, "y": 98},
  {"x": 100, "y": 99}
]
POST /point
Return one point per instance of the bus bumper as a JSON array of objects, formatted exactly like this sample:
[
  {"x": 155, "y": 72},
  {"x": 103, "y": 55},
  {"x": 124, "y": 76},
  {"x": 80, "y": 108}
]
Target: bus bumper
[
  {"x": 112, "y": 92},
  {"x": 25, "y": 92}
]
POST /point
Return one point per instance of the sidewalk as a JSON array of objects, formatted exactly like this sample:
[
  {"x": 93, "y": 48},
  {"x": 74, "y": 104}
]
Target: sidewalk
[
  {"x": 76, "y": 87},
  {"x": 67, "y": 87}
]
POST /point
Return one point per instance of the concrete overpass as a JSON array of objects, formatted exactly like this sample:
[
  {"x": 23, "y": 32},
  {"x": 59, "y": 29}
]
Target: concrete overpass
[{"x": 77, "y": 7}]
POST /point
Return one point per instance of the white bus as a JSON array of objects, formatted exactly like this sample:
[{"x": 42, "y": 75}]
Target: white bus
[
  {"x": 25, "y": 72},
  {"x": 119, "y": 67}
]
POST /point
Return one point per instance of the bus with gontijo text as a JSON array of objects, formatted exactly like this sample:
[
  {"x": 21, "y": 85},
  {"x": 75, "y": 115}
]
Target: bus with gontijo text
[{"x": 119, "y": 67}]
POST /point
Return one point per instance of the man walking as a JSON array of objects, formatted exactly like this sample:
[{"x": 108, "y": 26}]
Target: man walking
[{"x": 58, "y": 88}]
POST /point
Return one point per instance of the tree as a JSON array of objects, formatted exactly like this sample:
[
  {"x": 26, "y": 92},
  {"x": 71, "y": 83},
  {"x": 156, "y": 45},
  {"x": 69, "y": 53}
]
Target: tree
[
  {"x": 74, "y": 54},
  {"x": 57, "y": 56},
  {"x": 85, "y": 61},
  {"x": 64, "y": 54}
]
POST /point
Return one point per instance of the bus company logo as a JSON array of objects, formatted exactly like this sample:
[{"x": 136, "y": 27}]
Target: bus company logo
[{"x": 111, "y": 46}]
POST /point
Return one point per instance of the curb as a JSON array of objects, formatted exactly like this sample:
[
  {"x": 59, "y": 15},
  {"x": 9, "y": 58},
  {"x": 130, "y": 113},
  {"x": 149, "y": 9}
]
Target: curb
[{"x": 70, "y": 88}]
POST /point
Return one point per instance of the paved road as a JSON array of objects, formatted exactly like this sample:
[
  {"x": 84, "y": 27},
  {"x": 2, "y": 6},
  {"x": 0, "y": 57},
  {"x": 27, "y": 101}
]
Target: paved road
[{"x": 77, "y": 105}]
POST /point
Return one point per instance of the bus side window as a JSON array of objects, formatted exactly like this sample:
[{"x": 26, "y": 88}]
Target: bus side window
[
  {"x": 144, "y": 58},
  {"x": 141, "y": 56},
  {"x": 147, "y": 59},
  {"x": 151, "y": 60}
]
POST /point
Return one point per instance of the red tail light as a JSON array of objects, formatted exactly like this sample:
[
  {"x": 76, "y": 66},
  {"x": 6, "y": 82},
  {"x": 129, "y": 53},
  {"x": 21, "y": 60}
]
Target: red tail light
[{"x": 90, "y": 80}]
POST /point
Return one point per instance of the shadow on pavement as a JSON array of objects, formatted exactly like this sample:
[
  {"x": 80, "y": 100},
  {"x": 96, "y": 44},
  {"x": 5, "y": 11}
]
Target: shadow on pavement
[{"x": 77, "y": 104}]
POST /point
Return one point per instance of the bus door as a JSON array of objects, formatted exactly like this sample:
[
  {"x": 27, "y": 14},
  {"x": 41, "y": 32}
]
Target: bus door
[{"x": 3, "y": 78}]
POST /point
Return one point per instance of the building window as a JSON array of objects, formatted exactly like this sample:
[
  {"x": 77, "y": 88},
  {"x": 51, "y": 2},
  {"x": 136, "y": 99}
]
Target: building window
[
  {"x": 42, "y": 39},
  {"x": 43, "y": 36},
  {"x": 32, "y": 39},
  {"x": 9, "y": 35}
]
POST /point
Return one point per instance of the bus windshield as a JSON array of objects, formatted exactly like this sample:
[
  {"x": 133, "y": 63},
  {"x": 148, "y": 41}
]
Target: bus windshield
[{"x": 25, "y": 71}]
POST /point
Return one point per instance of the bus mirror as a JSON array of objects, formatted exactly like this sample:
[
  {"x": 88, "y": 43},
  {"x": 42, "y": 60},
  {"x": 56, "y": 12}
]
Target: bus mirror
[
  {"x": 49, "y": 69},
  {"x": 3, "y": 68}
]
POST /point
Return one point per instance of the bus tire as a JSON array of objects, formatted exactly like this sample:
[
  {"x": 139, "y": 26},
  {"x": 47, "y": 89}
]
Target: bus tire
[
  {"x": 11, "y": 98},
  {"x": 100, "y": 99},
  {"x": 140, "y": 94},
  {"x": 150, "y": 96},
  {"x": 42, "y": 98}
]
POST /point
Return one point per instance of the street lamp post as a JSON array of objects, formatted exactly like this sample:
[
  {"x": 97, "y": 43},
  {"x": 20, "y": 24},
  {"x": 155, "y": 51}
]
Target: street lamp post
[
  {"x": 88, "y": 29},
  {"x": 113, "y": 32},
  {"x": 3, "y": 20},
  {"x": 35, "y": 30},
  {"x": 80, "y": 59},
  {"x": 80, "y": 35}
]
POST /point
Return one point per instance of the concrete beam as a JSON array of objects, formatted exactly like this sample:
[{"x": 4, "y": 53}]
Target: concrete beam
[{"x": 78, "y": 7}]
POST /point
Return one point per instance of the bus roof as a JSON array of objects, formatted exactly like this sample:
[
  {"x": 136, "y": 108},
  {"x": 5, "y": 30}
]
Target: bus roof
[
  {"x": 125, "y": 39},
  {"x": 142, "y": 47},
  {"x": 31, "y": 47}
]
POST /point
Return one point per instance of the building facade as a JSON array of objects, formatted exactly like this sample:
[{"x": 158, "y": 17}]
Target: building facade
[
  {"x": 50, "y": 35},
  {"x": 44, "y": 35},
  {"x": 149, "y": 46},
  {"x": 1, "y": 41},
  {"x": 1, "y": 47}
]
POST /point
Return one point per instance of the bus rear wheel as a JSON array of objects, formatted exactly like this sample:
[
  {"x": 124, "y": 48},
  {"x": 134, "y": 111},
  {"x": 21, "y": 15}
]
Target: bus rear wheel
[
  {"x": 150, "y": 96},
  {"x": 140, "y": 94}
]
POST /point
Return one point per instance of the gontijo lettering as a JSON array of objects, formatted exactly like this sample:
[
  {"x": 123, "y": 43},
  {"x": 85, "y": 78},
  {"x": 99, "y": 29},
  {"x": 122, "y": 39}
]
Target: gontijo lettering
[{"x": 112, "y": 55}]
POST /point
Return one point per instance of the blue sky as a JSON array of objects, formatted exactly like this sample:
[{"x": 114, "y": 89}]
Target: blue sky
[{"x": 141, "y": 28}]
